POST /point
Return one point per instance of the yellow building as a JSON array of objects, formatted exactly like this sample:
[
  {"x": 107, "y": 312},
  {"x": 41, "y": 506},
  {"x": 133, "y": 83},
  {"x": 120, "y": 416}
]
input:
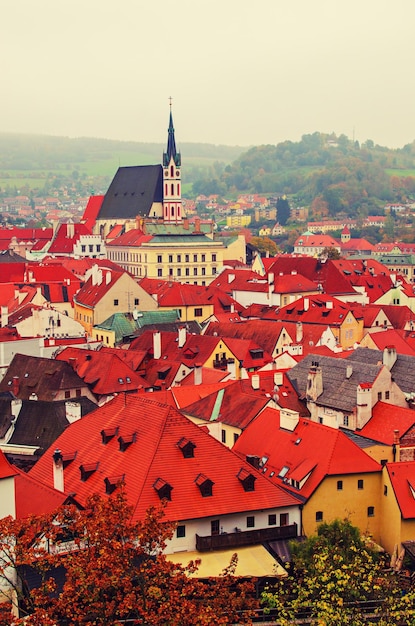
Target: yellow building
[
  {"x": 238, "y": 220},
  {"x": 106, "y": 292},
  {"x": 397, "y": 505}
]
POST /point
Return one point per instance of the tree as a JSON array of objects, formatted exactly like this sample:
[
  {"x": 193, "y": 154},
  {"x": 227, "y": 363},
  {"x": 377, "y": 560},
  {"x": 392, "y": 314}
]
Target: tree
[
  {"x": 330, "y": 253},
  {"x": 283, "y": 211},
  {"x": 264, "y": 245},
  {"x": 333, "y": 572},
  {"x": 115, "y": 570}
]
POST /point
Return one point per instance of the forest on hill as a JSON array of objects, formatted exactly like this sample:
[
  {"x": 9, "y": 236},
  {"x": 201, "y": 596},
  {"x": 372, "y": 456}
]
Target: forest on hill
[{"x": 320, "y": 169}]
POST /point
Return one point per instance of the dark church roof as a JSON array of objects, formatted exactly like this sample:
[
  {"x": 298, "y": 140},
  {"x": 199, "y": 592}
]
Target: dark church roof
[{"x": 132, "y": 192}]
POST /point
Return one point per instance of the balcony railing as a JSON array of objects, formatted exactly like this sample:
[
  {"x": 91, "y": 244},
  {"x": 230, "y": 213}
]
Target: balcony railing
[{"x": 226, "y": 541}]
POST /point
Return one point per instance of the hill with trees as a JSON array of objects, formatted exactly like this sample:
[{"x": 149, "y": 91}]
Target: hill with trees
[{"x": 333, "y": 173}]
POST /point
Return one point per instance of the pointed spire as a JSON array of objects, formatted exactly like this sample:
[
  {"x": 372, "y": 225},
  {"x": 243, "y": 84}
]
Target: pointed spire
[{"x": 171, "y": 151}]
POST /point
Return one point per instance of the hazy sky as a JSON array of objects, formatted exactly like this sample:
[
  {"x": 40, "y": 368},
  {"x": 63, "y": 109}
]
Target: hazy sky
[{"x": 240, "y": 72}]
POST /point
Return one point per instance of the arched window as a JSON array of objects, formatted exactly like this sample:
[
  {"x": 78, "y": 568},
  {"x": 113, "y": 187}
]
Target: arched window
[{"x": 171, "y": 171}]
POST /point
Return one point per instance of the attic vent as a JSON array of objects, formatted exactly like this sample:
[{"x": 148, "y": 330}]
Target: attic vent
[
  {"x": 187, "y": 447},
  {"x": 205, "y": 485},
  {"x": 125, "y": 442},
  {"x": 108, "y": 433},
  {"x": 247, "y": 479},
  {"x": 163, "y": 489},
  {"x": 112, "y": 482},
  {"x": 87, "y": 470}
]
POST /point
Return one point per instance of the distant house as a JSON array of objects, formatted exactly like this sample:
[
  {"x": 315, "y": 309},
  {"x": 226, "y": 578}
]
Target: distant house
[{"x": 314, "y": 245}]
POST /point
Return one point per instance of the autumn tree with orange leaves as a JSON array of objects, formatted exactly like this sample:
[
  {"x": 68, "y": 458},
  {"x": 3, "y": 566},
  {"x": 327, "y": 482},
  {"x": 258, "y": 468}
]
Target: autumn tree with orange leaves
[{"x": 115, "y": 571}]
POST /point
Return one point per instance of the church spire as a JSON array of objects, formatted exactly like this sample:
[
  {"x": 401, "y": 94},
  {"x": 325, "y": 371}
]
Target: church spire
[{"x": 171, "y": 152}]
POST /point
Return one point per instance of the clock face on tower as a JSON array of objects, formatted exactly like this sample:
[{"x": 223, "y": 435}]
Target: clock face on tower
[{"x": 177, "y": 173}]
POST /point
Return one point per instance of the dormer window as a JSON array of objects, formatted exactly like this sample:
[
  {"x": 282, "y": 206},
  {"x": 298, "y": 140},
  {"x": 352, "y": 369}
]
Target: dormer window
[
  {"x": 247, "y": 479},
  {"x": 187, "y": 447},
  {"x": 108, "y": 433},
  {"x": 205, "y": 485},
  {"x": 126, "y": 441},
  {"x": 68, "y": 458},
  {"x": 87, "y": 469},
  {"x": 163, "y": 489},
  {"x": 112, "y": 482}
]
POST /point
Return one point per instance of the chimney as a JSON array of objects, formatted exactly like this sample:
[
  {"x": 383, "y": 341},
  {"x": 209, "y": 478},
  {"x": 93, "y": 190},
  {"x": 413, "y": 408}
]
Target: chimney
[
  {"x": 73, "y": 411},
  {"x": 94, "y": 274},
  {"x": 389, "y": 357},
  {"x": 15, "y": 407},
  {"x": 349, "y": 371},
  {"x": 58, "y": 470},
  {"x": 107, "y": 278},
  {"x": 299, "y": 332},
  {"x": 157, "y": 344},
  {"x": 99, "y": 277},
  {"x": 197, "y": 225},
  {"x": 4, "y": 316},
  {"x": 270, "y": 278},
  {"x": 363, "y": 404},
  {"x": 182, "y": 336},
  {"x": 314, "y": 382},
  {"x": 197, "y": 373},
  {"x": 306, "y": 303},
  {"x": 232, "y": 308},
  {"x": 289, "y": 419},
  {"x": 16, "y": 385},
  {"x": 186, "y": 223},
  {"x": 70, "y": 230},
  {"x": 231, "y": 367},
  {"x": 255, "y": 381},
  {"x": 396, "y": 451}
]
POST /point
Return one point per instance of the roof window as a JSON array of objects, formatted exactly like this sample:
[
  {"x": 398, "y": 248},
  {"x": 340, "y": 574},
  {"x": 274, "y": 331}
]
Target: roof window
[
  {"x": 126, "y": 441},
  {"x": 108, "y": 433},
  {"x": 87, "y": 469},
  {"x": 205, "y": 485},
  {"x": 112, "y": 482},
  {"x": 163, "y": 489},
  {"x": 247, "y": 479},
  {"x": 187, "y": 447}
]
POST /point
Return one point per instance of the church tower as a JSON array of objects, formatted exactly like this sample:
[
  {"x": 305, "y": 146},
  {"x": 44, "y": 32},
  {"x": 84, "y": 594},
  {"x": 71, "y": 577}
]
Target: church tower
[{"x": 172, "y": 191}]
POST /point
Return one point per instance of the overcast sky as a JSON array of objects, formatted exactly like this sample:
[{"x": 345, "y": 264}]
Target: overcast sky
[{"x": 240, "y": 72}]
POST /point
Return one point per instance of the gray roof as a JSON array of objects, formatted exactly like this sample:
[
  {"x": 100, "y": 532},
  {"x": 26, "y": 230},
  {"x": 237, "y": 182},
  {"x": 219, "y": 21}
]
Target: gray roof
[
  {"x": 132, "y": 192},
  {"x": 403, "y": 371},
  {"x": 339, "y": 392}
]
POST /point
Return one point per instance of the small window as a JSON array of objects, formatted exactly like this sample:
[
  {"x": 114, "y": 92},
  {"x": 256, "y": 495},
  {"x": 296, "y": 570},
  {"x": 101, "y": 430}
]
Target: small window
[
  {"x": 159, "y": 258},
  {"x": 214, "y": 258},
  {"x": 223, "y": 435},
  {"x": 385, "y": 490},
  {"x": 272, "y": 519},
  {"x": 319, "y": 516},
  {"x": 214, "y": 527},
  {"x": 339, "y": 485},
  {"x": 387, "y": 395},
  {"x": 187, "y": 258},
  {"x": 195, "y": 271},
  {"x": 67, "y": 394},
  {"x": 136, "y": 301},
  {"x": 170, "y": 258},
  {"x": 250, "y": 521},
  {"x": 198, "y": 312},
  {"x": 115, "y": 302},
  {"x": 379, "y": 396},
  {"x": 159, "y": 273},
  {"x": 283, "y": 519},
  {"x": 235, "y": 437},
  {"x": 371, "y": 511},
  {"x": 181, "y": 531},
  {"x": 360, "y": 483},
  {"x": 195, "y": 258}
]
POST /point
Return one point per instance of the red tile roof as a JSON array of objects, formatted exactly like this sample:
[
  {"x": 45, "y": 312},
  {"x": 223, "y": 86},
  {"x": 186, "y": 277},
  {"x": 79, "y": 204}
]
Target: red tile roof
[
  {"x": 105, "y": 371},
  {"x": 91, "y": 211},
  {"x": 402, "y": 477},
  {"x": 151, "y": 432},
  {"x": 310, "y": 447},
  {"x": 386, "y": 418},
  {"x": 174, "y": 294},
  {"x": 64, "y": 240}
]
